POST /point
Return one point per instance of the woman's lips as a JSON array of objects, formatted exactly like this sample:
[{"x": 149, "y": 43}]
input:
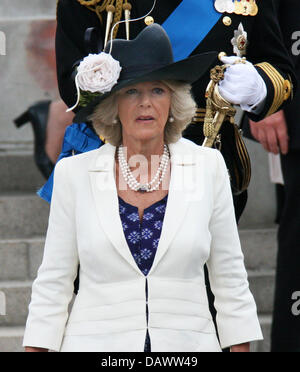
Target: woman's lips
[{"x": 145, "y": 119}]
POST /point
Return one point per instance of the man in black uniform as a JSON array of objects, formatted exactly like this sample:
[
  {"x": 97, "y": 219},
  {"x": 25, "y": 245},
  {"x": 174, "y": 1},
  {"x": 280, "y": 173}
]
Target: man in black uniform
[
  {"x": 260, "y": 44},
  {"x": 285, "y": 128}
]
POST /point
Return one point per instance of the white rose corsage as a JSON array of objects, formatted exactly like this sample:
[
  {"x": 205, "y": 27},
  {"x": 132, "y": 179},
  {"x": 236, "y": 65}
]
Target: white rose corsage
[{"x": 96, "y": 73}]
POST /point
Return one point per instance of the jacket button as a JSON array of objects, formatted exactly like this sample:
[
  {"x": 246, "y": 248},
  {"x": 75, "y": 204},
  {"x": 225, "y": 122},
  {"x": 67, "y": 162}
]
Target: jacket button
[
  {"x": 227, "y": 21},
  {"x": 149, "y": 21}
]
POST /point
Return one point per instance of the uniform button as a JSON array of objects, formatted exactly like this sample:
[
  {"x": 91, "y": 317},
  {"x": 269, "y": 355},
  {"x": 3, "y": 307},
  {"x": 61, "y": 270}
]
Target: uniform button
[
  {"x": 222, "y": 54},
  {"x": 149, "y": 21},
  {"x": 227, "y": 21}
]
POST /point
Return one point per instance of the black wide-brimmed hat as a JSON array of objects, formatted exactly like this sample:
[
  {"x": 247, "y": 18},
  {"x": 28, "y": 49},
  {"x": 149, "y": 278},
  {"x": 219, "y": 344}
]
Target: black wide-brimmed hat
[{"x": 149, "y": 57}]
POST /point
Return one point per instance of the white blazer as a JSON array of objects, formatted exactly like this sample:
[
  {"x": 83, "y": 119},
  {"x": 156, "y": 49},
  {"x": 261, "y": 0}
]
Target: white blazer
[{"x": 109, "y": 312}]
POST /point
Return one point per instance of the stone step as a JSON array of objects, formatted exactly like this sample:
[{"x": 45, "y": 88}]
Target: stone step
[
  {"x": 19, "y": 172},
  {"x": 262, "y": 284},
  {"x": 18, "y": 294},
  {"x": 22, "y": 215},
  {"x": 259, "y": 247},
  {"x": 11, "y": 339},
  {"x": 20, "y": 258}
]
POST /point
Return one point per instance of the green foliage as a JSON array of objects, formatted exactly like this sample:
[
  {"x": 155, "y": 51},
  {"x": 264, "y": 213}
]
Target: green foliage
[{"x": 87, "y": 97}]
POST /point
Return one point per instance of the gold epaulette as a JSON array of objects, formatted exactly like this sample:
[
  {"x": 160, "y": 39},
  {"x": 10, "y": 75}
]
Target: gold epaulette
[
  {"x": 282, "y": 88},
  {"x": 100, "y": 6},
  {"x": 93, "y": 4}
]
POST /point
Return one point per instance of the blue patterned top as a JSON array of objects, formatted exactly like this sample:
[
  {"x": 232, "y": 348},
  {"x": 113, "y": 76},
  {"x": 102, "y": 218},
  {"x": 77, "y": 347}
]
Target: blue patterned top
[{"x": 143, "y": 237}]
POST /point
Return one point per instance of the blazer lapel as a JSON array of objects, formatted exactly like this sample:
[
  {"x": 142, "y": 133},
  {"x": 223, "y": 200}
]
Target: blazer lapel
[
  {"x": 182, "y": 190},
  {"x": 102, "y": 177}
]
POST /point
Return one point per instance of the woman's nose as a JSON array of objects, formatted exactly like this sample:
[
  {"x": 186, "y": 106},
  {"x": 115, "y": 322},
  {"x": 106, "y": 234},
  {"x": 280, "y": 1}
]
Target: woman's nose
[{"x": 145, "y": 100}]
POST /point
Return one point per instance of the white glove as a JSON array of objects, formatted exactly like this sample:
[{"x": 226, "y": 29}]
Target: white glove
[{"x": 242, "y": 85}]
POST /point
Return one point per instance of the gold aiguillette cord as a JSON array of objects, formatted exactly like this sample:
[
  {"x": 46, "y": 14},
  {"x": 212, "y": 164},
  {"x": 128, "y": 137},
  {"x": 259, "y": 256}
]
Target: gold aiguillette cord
[{"x": 217, "y": 108}]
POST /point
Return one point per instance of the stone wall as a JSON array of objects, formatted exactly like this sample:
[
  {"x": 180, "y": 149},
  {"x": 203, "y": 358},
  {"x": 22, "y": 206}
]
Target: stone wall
[{"x": 27, "y": 71}]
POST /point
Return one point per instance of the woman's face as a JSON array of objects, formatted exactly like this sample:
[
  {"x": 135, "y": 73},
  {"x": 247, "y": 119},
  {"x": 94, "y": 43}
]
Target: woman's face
[{"x": 144, "y": 110}]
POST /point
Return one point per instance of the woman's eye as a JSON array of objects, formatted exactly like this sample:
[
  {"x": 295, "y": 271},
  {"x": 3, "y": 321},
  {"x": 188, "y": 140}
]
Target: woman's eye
[
  {"x": 131, "y": 91},
  {"x": 158, "y": 91}
]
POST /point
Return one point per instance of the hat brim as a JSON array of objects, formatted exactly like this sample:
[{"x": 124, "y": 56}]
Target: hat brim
[{"x": 188, "y": 70}]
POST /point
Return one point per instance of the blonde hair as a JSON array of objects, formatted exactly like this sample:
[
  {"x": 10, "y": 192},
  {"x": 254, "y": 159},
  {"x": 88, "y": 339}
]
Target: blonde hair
[{"x": 182, "y": 109}]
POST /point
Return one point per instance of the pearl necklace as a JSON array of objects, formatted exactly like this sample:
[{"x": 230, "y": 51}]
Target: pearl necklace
[{"x": 132, "y": 182}]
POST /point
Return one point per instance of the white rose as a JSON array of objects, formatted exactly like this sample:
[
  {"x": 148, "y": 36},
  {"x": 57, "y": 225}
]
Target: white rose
[{"x": 98, "y": 73}]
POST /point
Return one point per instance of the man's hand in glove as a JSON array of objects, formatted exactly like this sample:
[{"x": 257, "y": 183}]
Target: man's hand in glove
[{"x": 242, "y": 85}]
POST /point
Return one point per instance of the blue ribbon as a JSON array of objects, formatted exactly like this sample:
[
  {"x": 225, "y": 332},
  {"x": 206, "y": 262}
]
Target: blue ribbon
[
  {"x": 79, "y": 138},
  {"x": 189, "y": 24}
]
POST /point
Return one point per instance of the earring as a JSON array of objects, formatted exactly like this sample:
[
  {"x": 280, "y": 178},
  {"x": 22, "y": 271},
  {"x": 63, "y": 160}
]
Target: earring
[
  {"x": 115, "y": 121},
  {"x": 171, "y": 119}
]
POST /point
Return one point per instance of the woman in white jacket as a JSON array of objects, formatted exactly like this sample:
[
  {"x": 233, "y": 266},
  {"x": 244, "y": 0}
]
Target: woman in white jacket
[{"x": 141, "y": 234}]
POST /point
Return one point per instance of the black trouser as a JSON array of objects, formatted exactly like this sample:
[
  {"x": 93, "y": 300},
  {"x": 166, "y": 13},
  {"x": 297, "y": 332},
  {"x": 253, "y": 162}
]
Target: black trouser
[{"x": 286, "y": 323}]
